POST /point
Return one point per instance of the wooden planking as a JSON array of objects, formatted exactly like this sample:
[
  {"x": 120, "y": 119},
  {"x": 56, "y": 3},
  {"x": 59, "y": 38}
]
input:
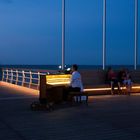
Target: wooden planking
[{"x": 110, "y": 118}]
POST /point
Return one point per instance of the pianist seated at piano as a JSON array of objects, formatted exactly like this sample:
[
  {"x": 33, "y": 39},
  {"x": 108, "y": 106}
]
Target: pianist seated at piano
[{"x": 75, "y": 83}]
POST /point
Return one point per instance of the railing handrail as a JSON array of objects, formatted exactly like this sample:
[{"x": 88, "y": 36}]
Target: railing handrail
[
  {"x": 23, "y": 76},
  {"x": 33, "y": 70}
]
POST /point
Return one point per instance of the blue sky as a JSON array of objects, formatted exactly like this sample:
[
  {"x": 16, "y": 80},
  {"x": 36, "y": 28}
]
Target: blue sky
[{"x": 30, "y": 32}]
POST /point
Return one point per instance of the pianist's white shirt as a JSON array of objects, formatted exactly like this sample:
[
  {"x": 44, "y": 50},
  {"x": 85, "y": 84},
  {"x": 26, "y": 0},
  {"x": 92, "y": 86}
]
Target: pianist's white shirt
[{"x": 76, "y": 80}]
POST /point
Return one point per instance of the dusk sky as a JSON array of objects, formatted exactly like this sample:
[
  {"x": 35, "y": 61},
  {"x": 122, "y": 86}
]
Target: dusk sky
[{"x": 30, "y": 32}]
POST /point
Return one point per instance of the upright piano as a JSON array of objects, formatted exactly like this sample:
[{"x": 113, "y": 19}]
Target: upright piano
[{"x": 52, "y": 86}]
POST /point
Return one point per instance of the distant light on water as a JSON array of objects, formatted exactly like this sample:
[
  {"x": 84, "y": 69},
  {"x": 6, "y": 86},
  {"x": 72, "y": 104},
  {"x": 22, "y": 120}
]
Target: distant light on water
[
  {"x": 68, "y": 69},
  {"x": 59, "y": 66}
]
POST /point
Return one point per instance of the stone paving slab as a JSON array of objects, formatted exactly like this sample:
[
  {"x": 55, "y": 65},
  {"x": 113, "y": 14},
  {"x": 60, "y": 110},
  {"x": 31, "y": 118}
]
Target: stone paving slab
[{"x": 106, "y": 118}]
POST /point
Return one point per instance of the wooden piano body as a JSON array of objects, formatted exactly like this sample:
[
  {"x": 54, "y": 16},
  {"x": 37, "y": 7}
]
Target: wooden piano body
[{"x": 52, "y": 86}]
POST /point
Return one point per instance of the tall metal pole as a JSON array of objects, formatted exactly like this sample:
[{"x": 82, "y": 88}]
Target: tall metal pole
[
  {"x": 63, "y": 34},
  {"x": 104, "y": 33},
  {"x": 136, "y": 33}
]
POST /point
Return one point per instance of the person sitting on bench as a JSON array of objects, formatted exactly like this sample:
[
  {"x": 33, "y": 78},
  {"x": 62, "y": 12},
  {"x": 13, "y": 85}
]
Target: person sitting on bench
[
  {"x": 120, "y": 76},
  {"x": 112, "y": 78},
  {"x": 127, "y": 81}
]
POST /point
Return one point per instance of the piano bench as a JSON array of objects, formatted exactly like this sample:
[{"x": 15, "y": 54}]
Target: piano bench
[{"x": 77, "y": 97}]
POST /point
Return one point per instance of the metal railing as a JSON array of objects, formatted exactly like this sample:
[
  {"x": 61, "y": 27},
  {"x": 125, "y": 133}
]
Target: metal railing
[{"x": 26, "y": 78}]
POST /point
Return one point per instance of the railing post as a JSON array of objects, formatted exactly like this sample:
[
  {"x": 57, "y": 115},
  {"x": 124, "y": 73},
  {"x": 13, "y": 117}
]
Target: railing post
[
  {"x": 7, "y": 75},
  {"x": 11, "y": 80},
  {"x": 2, "y": 74},
  {"x": 23, "y": 78},
  {"x": 30, "y": 79},
  {"x": 38, "y": 80},
  {"x": 16, "y": 77}
]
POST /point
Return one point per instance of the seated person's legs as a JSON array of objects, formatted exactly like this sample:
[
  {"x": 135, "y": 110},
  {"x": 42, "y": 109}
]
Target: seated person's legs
[
  {"x": 129, "y": 85},
  {"x": 65, "y": 93},
  {"x": 112, "y": 86},
  {"x": 67, "y": 90},
  {"x": 115, "y": 83},
  {"x": 119, "y": 85},
  {"x": 125, "y": 82}
]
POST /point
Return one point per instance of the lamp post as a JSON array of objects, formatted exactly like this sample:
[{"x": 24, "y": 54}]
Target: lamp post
[
  {"x": 136, "y": 34},
  {"x": 63, "y": 34},
  {"x": 104, "y": 33}
]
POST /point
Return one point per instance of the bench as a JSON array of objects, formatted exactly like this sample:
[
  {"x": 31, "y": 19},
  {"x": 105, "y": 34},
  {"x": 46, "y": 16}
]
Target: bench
[
  {"x": 92, "y": 79},
  {"x": 96, "y": 79}
]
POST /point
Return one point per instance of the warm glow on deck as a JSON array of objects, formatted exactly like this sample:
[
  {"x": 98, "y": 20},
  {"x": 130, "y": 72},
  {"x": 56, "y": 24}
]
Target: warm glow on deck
[{"x": 17, "y": 88}]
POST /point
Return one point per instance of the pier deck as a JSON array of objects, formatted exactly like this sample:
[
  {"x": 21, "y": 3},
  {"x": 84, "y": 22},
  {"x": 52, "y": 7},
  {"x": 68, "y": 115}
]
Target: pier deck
[{"x": 106, "y": 118}]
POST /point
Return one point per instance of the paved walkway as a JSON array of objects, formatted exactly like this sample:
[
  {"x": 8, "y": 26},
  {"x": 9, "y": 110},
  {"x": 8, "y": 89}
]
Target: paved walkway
[{"x": 106, "y": 118}]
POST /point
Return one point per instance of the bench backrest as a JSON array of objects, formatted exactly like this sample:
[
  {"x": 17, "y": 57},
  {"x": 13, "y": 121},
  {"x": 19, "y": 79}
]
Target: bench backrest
[
  {"x": 98, "y": 77},
  {"x": 93, "y": 77}
]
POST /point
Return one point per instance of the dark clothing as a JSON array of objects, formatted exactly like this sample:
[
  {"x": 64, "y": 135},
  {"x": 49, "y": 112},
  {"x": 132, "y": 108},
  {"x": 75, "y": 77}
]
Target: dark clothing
[
  {"x": 113, "y": 80},
  {"x": 115, "y": 84},
  {"x": 121, "y": 76},
  {"x": 69, "y": 89},
  {"x": 0, "y": 74}
]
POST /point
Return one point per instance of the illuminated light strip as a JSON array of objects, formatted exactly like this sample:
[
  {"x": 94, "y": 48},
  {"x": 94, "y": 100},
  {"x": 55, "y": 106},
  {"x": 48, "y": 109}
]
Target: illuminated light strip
[
  {"x": 57, "y": 83},
  {"x": 101, "y": 89},
  {"x": 97, "y": 89},
  {"x": 135, "y": 87},
  {"x": 52, "y": 79},
  {"x": 59, "y": 76},
  {"x": 55, "y": 80},
  {"x": 58, "y": 80}
]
